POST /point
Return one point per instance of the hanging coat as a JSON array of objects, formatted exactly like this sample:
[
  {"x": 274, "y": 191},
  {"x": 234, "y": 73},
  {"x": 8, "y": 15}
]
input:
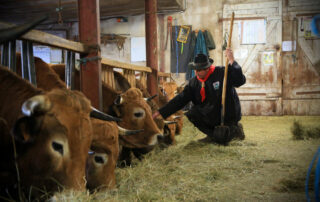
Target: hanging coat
[
  {"x": 209, "y": 41},
  {"x": 200, "y": 44}
]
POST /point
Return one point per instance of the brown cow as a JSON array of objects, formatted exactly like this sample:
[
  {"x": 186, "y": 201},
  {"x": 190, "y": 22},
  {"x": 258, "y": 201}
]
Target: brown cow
[
  {"x": 100, "y": 172},
  {"x": 133, "y": 105},
  {"x": 151, "y": 131},
  {"x": 52, "y": 139},
  {"x": 47, "y": 79},
  {"x": 168, "y": 129},
  {"x": 171, "y": 89}
]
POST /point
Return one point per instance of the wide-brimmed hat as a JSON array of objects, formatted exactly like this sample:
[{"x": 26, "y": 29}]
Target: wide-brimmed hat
[{"x": 201, "y": 61}]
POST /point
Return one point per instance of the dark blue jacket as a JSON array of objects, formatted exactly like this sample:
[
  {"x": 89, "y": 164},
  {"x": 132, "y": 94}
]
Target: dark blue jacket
[{"x": 207, "y": 113}]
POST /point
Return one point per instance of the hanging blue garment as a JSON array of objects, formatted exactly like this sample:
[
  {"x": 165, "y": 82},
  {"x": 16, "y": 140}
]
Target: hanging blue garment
[{"x": 201, "y": 46}]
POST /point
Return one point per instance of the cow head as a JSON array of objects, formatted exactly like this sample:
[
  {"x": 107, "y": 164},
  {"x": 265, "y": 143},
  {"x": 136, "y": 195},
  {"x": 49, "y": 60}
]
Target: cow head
[
  {"x": 136, "y": 114},
  {"x": 102, "y": 161},
  {"x": 170, "y": 89},
  {"x": 53, "y": 140}
]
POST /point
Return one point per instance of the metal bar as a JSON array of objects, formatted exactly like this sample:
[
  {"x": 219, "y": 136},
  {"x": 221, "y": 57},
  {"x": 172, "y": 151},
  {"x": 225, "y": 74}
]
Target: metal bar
[
  {"x": 72, "y": 64},
  {"x": 31, "y": 67},
  {"x": 67, "y": 69},
  {"x": 12, "y": 56},
  {"x": 24, "y": 60},
  {"x": 4, "y": 54}
]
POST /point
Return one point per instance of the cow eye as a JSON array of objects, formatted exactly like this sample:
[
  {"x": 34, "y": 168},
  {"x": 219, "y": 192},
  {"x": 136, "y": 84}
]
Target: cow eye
[
  {"x": 138, "y": 114},
  {"x": 99, "y": 159},
  {"x": 57, "y": 147}
]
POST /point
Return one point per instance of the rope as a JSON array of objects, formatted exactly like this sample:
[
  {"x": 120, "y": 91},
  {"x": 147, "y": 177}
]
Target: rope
[
  {"x": 177, "y": 53},
  {"x": 59, "y": 9},
  {"x": 85, "y": 60},
  {"x": 317, "y": 176}
]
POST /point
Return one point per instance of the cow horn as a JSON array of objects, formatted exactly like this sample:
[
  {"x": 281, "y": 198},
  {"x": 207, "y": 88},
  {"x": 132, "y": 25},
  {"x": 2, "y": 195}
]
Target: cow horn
[
  {"x": 184, "y": 112},
  {"x": 12, "y": 33},
  {"x": 177, "y": 117},
  {"x": 169, "y": 122},
  {"x": 36, "y": 104},
  {"x": 123, "y": 131},
  {"x": 102, "y": 116},
  {"x": 118, "y": 100},
  {"x": 151, "y": 97}
]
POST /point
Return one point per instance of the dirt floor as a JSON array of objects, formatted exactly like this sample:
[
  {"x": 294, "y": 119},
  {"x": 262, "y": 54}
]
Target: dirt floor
[{"x": 269, "y": 165}]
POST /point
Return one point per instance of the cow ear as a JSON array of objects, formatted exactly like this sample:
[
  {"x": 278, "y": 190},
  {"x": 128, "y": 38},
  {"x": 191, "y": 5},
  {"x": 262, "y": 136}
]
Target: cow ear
[{"x": 26, "y": 128}]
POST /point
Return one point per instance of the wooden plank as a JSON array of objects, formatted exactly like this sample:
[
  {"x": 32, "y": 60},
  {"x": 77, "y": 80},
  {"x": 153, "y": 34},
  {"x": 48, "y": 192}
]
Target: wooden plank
[
  {"x": 43, "y": 38},
  {"x": 242, "y": 18},
  {"x": 314, "y": 59},
  {"x": 253, "y": 12},
  {"x": 302, "y": 3},
  {"x": 304, "y": 9},
  {"x": 163, "y": 74},
  {"x": 307, "y": 92},
  {"x": 122, "y": 65},
  {"x": 252, "y": 6}
]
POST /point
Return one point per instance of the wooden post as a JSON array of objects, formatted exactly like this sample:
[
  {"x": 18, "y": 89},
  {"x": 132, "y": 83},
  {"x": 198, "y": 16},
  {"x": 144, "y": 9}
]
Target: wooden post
[
  {"x": 89, "y": 33},
  {"x": 151, "y": 45}
]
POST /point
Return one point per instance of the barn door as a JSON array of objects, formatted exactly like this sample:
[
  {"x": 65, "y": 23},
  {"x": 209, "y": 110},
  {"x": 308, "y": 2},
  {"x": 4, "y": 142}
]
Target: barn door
[
  {"x": 301, "y": 61},
  {"x": 256, "y": 41}
]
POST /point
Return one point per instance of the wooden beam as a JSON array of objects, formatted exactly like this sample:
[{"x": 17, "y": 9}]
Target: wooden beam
[
  {"x": 163, "y": 74},
  {"x": 242, "y": 18},
  {"x": 44, "y": 38},
  {"x": 151, "y": 45},
  {"x": 307, "y": 14},
  {"x": 89, "y": 32},
  {"x": 122, "y": 65}
]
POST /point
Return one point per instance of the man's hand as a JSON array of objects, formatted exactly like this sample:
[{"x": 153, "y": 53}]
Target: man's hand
[
  {"x": 155, "y": 115},
  {"x": 229, "y": 55}
]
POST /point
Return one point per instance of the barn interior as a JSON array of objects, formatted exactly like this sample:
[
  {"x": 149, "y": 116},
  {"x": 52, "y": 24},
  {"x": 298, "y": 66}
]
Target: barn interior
[{"x": 276, "y": 43}]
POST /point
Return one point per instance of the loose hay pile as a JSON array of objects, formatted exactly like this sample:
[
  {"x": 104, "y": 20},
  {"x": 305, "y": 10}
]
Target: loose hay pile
[
  {"x": 269, "y": 165},
  {"x": 301, "y": 132}
]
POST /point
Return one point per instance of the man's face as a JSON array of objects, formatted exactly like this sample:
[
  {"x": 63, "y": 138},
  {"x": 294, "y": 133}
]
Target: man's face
[{"x": 202, "y": 73}]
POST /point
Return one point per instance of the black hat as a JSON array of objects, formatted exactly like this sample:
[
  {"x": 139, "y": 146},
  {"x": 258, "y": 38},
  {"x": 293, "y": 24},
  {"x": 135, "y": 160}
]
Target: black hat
[{"x": 201, "y": 61}]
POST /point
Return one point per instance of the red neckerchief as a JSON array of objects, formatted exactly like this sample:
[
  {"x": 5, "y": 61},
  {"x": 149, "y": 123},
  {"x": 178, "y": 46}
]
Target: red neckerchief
[{"x": 202, "y": 91}]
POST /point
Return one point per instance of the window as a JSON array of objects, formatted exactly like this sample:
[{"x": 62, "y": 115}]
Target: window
[
  {"x": 253, "y": 32},
  {"x": 138, "y": 49}
]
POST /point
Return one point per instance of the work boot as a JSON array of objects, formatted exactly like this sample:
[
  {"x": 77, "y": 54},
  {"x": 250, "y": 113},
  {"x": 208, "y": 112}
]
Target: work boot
[{"x": 237, "y": 131}]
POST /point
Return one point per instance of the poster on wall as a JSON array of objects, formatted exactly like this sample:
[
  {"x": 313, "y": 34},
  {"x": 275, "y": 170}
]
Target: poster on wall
[
  {"x": 267, "y": 58},
  {"x": 180, "y": 51},
  {"x": 288, "y": 46}
]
